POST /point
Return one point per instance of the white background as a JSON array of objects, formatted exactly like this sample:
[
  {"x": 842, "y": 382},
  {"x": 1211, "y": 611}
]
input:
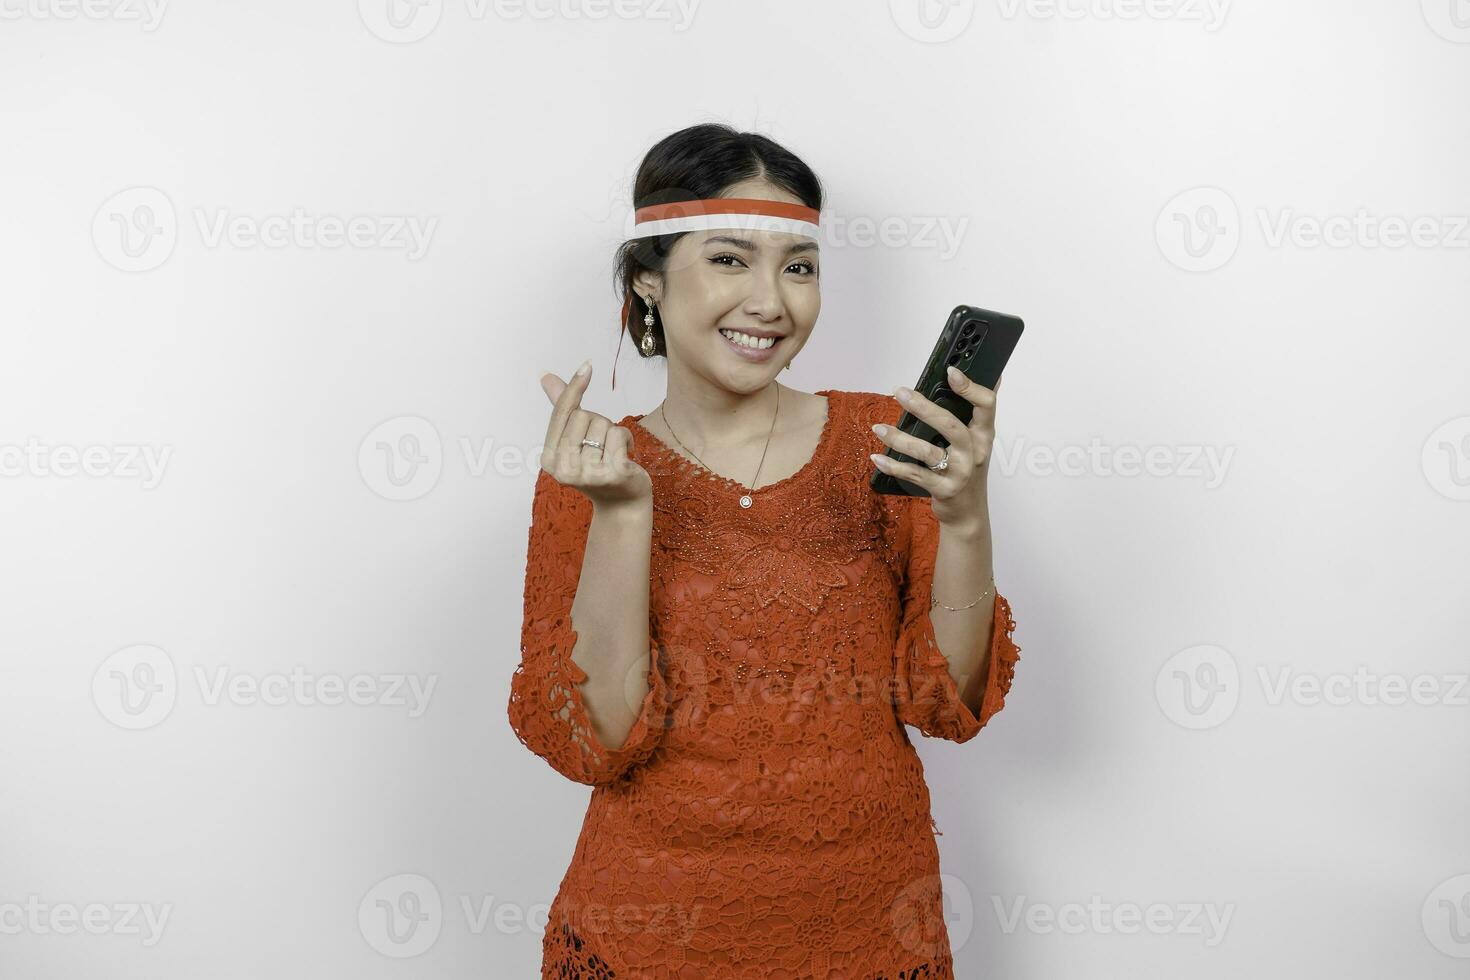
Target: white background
[{"x": 1146, "y": 755}]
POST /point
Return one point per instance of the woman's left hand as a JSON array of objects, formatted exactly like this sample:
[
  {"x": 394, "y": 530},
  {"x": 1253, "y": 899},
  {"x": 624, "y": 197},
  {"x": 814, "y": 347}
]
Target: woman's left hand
[{"x": 957, "y": 491}]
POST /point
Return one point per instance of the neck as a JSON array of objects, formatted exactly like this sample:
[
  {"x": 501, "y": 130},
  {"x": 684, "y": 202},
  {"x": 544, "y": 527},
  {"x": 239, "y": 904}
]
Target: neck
[{"x": 709, "y": 417}]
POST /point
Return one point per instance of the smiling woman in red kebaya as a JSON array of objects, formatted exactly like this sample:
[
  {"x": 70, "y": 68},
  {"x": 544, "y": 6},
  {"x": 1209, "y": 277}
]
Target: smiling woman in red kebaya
[{"x": 726, "y": 630}]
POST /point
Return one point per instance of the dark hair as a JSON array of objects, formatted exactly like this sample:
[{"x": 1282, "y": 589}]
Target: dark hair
[{"x": 691, "y": 165}]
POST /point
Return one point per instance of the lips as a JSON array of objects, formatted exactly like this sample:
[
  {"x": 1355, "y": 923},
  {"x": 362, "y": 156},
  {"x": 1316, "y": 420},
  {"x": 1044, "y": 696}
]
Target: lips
[{"x": 752, "y": 353}]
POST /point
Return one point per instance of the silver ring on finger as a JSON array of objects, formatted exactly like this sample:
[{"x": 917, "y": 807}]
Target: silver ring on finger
[
  {"x": 943, "y": 463},
  {"x": 592, "y": 442}
]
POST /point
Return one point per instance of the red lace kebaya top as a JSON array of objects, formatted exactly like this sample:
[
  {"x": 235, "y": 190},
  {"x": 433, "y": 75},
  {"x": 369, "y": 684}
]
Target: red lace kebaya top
[{"x": 767, "y": 815}]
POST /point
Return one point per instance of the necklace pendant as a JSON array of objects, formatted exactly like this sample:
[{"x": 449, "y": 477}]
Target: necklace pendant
[{"x": 745, "y": 500}]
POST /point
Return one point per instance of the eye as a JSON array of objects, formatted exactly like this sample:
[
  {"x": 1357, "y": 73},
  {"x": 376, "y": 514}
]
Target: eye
[{"x": 803, "y": 267}]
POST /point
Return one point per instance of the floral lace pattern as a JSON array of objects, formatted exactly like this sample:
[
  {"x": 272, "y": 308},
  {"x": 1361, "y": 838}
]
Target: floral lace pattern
[{"x": 767, "y": 815}]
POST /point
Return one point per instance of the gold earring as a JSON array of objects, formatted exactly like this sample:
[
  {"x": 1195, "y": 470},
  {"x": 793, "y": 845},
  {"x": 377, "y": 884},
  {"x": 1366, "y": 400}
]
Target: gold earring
[{"x": 647, "y": 344}]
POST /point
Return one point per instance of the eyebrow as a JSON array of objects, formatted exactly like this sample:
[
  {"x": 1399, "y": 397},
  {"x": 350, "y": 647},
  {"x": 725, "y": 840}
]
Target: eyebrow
[{"x": 751, "y": 246}]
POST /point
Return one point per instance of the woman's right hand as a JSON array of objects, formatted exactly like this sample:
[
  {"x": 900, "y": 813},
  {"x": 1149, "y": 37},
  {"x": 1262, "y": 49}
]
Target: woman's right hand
[{"x": 606, "y": 476}]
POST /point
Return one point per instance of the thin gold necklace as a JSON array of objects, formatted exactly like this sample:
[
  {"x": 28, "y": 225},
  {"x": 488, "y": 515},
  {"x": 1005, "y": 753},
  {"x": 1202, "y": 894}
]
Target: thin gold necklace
[{"x": 745, "y": 500}]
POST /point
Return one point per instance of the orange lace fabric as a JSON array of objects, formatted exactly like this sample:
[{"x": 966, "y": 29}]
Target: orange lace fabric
[{"x": 767, "y": 815}]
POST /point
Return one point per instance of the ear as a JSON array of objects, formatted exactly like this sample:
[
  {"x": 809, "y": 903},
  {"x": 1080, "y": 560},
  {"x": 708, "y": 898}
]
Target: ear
[{"x": 648, "y": 282}]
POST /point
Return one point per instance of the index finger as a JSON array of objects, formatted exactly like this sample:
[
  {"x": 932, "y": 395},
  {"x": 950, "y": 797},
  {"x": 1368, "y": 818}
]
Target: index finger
[
  {"x": 940, "y": 418},
  {"x": 567, "y": 402}
]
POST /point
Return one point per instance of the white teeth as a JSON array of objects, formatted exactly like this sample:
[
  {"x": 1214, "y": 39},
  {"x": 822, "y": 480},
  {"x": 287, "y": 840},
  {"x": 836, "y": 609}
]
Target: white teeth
[{"x": 746, "y": 340}]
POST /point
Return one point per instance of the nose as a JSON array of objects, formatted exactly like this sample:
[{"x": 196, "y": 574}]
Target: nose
[{"x": 764, "y": 300}]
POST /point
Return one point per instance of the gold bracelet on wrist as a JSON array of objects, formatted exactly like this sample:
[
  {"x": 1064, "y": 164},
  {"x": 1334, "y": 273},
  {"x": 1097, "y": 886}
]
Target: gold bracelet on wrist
[{"x": 989, "y": 591}]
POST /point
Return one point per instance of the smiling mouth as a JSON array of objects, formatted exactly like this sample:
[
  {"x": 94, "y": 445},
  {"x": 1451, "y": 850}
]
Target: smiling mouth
[{"x": 749, "y": 341}]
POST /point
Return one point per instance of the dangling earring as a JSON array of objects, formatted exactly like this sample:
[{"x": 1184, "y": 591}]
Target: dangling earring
[{"x": 647, "y": 344}]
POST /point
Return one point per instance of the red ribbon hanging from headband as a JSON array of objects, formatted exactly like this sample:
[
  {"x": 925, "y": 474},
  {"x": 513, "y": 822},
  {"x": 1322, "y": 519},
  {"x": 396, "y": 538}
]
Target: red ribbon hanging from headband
[{"x": 622, "y": 330}]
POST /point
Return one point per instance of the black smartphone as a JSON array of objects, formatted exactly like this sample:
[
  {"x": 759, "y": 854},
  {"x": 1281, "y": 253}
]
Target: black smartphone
[{"x": 977, "y": 342}]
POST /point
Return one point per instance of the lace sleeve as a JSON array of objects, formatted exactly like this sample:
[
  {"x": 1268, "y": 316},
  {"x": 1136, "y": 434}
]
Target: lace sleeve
[
  {"x": 925, "y": 694},
  {"x": 546, "y": 709}
]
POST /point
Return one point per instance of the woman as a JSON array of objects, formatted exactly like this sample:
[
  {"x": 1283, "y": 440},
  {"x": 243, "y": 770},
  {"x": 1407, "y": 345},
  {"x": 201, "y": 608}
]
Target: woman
[{"x": 726, "y": 628}]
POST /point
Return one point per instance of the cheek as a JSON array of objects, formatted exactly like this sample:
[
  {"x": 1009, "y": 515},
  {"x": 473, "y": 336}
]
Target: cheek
[
  {"x": 805, "y": 304},
  {"x": 709, "y": 296}
]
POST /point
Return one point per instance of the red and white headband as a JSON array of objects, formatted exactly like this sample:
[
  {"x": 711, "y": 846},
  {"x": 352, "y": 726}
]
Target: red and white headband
[{"x": 746, "y": 214}]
